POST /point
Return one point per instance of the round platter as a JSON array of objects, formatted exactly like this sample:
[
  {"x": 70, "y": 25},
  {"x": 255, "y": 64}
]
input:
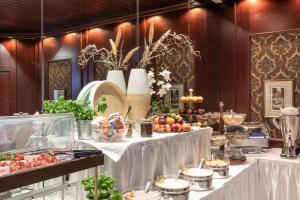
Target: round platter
[
  {"x": 116, "y": 99},
  {"x": 86, "y": 90}
]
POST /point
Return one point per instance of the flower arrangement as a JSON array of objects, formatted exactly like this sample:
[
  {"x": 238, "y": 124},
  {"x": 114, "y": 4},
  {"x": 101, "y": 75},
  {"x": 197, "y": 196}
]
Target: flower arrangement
[
  {"x": 162, "y": 46},
  {"x": 159, "y": 85},
  {"x": 112, "y": 59},
  {"x": 163, "y": 82}
]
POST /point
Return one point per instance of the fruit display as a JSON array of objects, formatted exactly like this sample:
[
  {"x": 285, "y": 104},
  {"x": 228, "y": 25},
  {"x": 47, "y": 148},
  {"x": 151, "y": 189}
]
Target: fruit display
[
  {"x": 200, "y": 124},
  {"x": 189, "y": 112},
  {"x": 15, "y": 162},
  {"x": 170, "y": 123},
  {"x": 191, "y": 98}
]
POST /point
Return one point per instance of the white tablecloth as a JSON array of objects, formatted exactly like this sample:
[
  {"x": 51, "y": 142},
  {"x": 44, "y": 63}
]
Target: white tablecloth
[
  {"x": 266, "y": 177},
  {"x": 279, "y": 178},
  {"x": 138, "y": 160}
]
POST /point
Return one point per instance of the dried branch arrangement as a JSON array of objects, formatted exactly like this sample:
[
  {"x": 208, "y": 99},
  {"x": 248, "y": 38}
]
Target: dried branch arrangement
[
  {"x": 162, "y": 45},
  {"x": 112, "y": 59}
]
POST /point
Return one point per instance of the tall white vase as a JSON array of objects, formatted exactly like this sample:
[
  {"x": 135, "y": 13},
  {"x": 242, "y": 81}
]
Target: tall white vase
[
  {"x": 138, "y": 94},
  {"x": 117, "y": 77}
]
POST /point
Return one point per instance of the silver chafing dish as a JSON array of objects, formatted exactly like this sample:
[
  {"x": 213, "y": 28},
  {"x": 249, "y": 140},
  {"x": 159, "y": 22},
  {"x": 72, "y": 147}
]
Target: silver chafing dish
[
  {"x": 220, "y": 167},
  {"x": 172, "y": 188},
  {"x": 142, "y": 195},
  {"x": 200, "y": 179}
]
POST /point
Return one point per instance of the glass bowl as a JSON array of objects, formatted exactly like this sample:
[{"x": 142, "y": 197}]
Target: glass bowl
[{"x": 234, "y": 119}]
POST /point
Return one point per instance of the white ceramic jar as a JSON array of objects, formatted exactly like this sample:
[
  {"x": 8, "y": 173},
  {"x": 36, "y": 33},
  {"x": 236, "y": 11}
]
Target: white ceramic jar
[
  {"x": 117, "y": 77},
  {"x": 138, "y": 94}
]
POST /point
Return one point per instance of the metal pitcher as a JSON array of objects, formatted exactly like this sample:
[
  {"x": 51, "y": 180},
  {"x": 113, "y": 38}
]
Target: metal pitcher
[{"x": 289, "y": 125}]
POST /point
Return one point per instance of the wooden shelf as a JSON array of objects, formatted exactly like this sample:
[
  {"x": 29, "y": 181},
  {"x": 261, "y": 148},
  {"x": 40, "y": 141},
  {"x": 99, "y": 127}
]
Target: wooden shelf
[{"x": 35, "y": 175}]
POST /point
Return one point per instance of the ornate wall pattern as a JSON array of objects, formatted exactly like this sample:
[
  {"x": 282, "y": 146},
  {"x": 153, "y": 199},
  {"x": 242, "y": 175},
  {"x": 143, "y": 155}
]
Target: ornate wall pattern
[
  {"x": 59, "y": 75},
  {"x": 273, "y": 56},
  {"x": 100, "y": 71},
  {"x": 181, "y": 64}
]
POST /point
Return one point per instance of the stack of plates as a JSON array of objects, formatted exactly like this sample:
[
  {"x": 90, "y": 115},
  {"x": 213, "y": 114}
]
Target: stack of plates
[{"x": 116, "y": 100}]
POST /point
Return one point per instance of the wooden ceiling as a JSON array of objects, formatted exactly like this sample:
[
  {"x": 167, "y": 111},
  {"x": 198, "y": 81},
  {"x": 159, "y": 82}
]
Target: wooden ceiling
[
  {"x": 24, "y": 16},
  {"x": 20, "y": 16}
]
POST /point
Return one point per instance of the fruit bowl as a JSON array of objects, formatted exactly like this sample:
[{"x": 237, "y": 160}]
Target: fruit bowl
[{"x": 169, "y": 123}]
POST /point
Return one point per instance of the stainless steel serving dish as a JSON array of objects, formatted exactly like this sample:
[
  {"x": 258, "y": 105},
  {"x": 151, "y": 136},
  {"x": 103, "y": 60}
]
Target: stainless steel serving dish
[
  {"x": 220, "y": 168},
  {"x": 172, "y": 193},
  {"x": 200, "y": 179}
]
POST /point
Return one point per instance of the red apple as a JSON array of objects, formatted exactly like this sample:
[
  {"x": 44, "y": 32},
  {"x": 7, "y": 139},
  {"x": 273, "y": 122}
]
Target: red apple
[
  {"x": 174, "y": 128},
  {"x": 179, "y": 127},
  {"x": 162, "y": 117},
  {"x": 180, "y": 121},
  {"x": 189, "y": 111},
  {"x": 162, "y": 121}
]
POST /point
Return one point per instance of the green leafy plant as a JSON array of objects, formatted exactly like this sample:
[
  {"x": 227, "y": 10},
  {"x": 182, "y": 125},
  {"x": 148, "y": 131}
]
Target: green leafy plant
[
  {"x": 81, "y": 110},
  {"x": 106, "y": 186},
  {"x": 158, "y": 106},
  {"x": 102, "y": 104}
]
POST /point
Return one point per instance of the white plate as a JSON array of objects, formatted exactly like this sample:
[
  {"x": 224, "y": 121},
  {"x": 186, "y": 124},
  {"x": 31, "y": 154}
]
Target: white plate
[
  {"x": 86, "y": 90},
  {"x": 116, "y": 99}
]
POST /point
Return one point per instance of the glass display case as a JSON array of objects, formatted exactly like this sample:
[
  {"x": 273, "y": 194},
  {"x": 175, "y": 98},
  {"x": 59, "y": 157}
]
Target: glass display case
[{"x": 34, "y": 132}]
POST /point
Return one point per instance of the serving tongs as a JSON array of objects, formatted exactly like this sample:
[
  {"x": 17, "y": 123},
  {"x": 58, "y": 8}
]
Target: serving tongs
[{"x": 77, "y": 153}]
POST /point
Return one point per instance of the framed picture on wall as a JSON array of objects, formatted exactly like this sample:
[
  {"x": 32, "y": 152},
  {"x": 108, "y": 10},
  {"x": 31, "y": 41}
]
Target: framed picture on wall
[
  {"x": 172, "y": 97},
  {"x": 278, "y": 94},
  {"x": 60, "y": 77}
]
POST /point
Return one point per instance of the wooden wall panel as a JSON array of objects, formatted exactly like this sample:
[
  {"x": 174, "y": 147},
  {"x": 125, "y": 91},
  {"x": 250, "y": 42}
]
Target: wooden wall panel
[
  {"x": 211, "y": 56},
  {"x": 28, "y": 77},
  {"x": 65, "y": 46},
  {"x": 5, "y": 97},
  {"x": 8, "y": 76},
  {"x": 228, "y": 56},
  {"x": 220, "y": 32}
]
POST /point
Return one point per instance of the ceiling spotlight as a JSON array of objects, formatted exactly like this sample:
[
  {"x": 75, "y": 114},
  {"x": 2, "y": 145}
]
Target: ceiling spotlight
[{"x": 217, "y": 1}]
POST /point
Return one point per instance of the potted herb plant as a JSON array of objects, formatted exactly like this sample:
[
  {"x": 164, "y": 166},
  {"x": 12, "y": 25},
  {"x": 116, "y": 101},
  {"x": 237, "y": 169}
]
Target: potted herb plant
[
  {"x": 82, "y": 112},
  {"x": 106, "y": 186}
]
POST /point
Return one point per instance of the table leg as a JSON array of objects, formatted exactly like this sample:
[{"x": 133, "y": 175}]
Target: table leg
[
  {"x": 96, "y": 184},
  {"x": 63, "y": 190}
]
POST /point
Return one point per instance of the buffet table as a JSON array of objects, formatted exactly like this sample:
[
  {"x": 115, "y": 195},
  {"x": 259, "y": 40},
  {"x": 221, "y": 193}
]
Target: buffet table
[
  {"x": 135, "y": 161},
  {"x": 266, "y": 177}
]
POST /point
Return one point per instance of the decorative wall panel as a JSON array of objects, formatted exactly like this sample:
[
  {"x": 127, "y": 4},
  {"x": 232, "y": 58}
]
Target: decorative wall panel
[
  {"x": 273, "y": 56},
  {"x": 181, "y": 63},
  {"x": 100, "y": 71},
  {"x": 60, "y": 74}
]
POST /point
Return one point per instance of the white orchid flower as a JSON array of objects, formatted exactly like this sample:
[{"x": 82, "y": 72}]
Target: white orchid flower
[
  {"x": 167, "y": 86},
  {"x": 160, "y": 83},
  {"x": 165, "y": 74},
  {"x": 161, "y": 92}
]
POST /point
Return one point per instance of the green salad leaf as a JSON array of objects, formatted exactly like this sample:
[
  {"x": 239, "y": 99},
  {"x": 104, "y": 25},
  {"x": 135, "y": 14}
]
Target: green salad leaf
[{"x": 106, "y": 186}]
